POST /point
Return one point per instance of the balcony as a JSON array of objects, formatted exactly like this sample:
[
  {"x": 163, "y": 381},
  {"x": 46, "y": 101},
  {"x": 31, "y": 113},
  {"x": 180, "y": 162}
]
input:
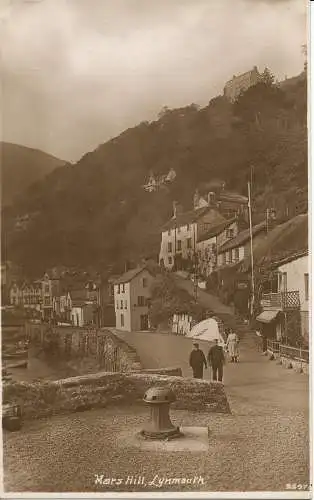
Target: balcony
[{"x": 283, "y": 301}]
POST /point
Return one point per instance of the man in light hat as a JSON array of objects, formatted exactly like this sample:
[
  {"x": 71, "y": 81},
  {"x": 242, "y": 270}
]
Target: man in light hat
[
  {"x": 197, "y": 361},
  {"x": 216, "y": 360}
]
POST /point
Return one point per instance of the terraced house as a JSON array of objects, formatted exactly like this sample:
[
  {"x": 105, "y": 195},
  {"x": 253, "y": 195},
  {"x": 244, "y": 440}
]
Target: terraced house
[
  {"x": 238, "y": 248},
  {"x": 209, "y": 243}
]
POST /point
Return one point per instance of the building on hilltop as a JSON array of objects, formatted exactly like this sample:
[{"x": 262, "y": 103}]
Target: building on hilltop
[
  {"x": 132, "y": 297},
  {"x": 241, "y": 83}
]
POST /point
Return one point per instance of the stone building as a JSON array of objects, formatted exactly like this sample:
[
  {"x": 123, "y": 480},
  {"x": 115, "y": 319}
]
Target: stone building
[{"x": 241, "y": 83}]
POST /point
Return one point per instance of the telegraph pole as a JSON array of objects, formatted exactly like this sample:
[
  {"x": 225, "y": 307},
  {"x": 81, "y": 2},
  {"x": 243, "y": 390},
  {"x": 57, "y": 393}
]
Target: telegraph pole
[
  {"x": 195, "y": 267},
  {"x": 252, "y": 259}
]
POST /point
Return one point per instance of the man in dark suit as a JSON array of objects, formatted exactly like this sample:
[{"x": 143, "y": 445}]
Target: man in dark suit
[
  {"x": 197, "y": 361},
  {"x": 216, "y": 360}
]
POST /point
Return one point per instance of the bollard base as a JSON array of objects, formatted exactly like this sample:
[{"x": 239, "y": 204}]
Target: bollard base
[{"x": 162, "y": 435}]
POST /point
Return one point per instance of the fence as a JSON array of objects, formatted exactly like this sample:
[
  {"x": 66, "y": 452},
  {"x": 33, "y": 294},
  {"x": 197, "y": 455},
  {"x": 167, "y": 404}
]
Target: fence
[{"x": 286, "y": 351}]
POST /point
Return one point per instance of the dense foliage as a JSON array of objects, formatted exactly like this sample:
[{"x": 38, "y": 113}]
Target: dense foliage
[
  {"x": 168, "y": 299},
  {"x": 97, "y": 212}
]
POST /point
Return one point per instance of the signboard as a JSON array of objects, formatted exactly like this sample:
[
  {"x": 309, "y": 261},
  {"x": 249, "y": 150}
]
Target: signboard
[{"x": 242, "y": 285}]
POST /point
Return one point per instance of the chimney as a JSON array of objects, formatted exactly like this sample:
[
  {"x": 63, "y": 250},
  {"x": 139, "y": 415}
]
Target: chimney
[
  {"x": 211, "y": 198},
  {"x": 196, "y": 199},
  {"x": 175, "y": 209}
]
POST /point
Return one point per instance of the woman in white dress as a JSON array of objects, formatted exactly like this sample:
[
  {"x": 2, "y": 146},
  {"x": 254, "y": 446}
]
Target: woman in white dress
[{"x": 233, "y": 347}]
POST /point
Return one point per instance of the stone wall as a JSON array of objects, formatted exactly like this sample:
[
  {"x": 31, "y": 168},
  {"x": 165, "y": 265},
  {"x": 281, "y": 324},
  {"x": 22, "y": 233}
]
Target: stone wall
[
  {"x": 83, "y": 350},
  {"x": 43, "y": 399}
]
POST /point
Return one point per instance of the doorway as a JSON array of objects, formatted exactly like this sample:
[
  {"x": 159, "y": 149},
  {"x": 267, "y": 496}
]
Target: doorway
[{"x": 144, "y": 322}]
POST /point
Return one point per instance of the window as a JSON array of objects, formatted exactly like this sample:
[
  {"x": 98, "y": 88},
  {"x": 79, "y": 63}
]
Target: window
[
  {"x": 140, "y": 301},
  {"x": 179, "y": 245},
  {"x": 229, "y": 233},
  {"x": 122, "y": 320},
  {"x": 121, "y": 304},
  {"x": 170, "y": 261},
  {"x": 118, "y": 289},
  {"x": 46, "y": 288},
  {"x": 179, "y": 229},
  {"x": 169, "y": 246},
  {"x": 306, "y": 286},
  {"x": 123, "y": 287},
  {"x": 236, "y": 255},
  {"x": 188, "y": 227},
  {"x": 125, "y": 304},
  {"x": 230, "y": 256},
  {"x": 144, "y": 282},
  {"x": 224, "y": 258},
  {"x": 189, "y": 242}
]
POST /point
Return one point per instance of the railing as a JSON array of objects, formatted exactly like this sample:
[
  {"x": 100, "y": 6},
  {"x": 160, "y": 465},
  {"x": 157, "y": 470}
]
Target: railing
[
  {"x": 294, "y": 353},
  {"x": 281, "y": 300},
  {"x": 273, "y": 346},
  {"x": 287, "y": 351}
]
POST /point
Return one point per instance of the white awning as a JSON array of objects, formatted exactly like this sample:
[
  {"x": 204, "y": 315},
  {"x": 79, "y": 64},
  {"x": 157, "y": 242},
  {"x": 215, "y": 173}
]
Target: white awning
[{"x": 267, "y": 316}]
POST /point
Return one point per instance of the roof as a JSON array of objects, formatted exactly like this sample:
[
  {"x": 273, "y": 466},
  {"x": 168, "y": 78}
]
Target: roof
[
  {"x": 229, "y": 195},
  {"x": 242, "y": 237},
  {"x": 129, "y": 275},
  {"x": 216, "y": 229},
  {"x": 290, "y": 258},
  {"x": 284, "y": 241},
  {"x": 187, "y": 218}
]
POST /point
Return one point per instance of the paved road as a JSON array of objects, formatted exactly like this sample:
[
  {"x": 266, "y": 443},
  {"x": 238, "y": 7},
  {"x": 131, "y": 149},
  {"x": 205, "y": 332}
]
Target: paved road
[
  {"x": 263, "y": 445},
  {"x": 204, "y": 298}
]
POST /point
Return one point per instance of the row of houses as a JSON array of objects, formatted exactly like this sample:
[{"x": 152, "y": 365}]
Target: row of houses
[
  {"x": 78, "y": 300},
  {"x": 214, "y": 239},
  {"x": 215, "y": 233}
]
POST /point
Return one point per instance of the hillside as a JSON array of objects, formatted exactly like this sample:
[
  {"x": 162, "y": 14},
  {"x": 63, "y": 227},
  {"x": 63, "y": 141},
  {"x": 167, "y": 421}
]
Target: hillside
[
  {"x": 97, "y": 212},
  {"x": 20, "y": 167}
]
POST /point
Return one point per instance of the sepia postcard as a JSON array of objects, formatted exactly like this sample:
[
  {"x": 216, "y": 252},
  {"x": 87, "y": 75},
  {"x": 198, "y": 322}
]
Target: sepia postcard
[{"x": 156, "y": 249}]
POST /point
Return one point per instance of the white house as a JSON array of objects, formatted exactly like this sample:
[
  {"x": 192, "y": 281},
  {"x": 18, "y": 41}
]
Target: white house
[
  {"x": 179, "y": 235},
  {"x": 238, "y": 248},
  {"x": 293, "y": 276},
  {"x": 131, "y": 299},
  {"x": 209, "y": 243}
]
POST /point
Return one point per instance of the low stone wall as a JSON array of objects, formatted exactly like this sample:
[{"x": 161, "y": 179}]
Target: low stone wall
[
  {"x": 101, "y": 389},
  {"x": 298, "y": 366},
  {"x": 289, "y": 363},
  {"x": 83, "y": 350}
]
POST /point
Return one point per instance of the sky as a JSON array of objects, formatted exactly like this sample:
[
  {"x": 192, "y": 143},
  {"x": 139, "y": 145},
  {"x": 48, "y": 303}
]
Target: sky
[{"x": 76, "y": 73}]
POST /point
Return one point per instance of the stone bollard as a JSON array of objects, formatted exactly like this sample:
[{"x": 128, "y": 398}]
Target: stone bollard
[{"x": 160, "y": 425}]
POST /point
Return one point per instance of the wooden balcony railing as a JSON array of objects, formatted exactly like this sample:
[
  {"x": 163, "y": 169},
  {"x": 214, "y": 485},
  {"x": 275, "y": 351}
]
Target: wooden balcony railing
[{"x": 281, "y": 300}]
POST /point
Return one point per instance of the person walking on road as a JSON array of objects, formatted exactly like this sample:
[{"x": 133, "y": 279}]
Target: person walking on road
[
  {"x": 216, "y": 360},
  {"x": 197, "y": 361},
  {"x": 233, "y": 347}
]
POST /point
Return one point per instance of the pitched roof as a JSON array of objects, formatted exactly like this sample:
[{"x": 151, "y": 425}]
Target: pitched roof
[
  {"x": 290, "y": 258},
  {"x": 242, "y": 237},
  {"x": 231, "y": 196},
  {"x": 187, "y": 218},
  {"x": 284, "y": 241},
  {"x": 129, "y": 275},
  {"x": 216, "y": 229}
]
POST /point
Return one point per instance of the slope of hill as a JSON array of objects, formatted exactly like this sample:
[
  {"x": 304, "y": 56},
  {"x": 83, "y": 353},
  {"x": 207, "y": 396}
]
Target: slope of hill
[
  {"x": 97, "y": 212},
  {"x": 20, "y": 167}
]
